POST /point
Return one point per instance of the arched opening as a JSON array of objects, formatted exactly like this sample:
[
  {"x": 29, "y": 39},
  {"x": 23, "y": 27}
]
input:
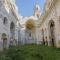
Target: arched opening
[
  {"x": 52, "y": 34},
  {"x": 12, "y": 30},
  {"x": 4, "y": 38},
  {"x": 5, "y": 21}
]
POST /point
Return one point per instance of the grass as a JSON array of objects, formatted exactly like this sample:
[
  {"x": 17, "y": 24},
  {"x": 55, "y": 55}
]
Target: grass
[{"x": 32, "y": 52}]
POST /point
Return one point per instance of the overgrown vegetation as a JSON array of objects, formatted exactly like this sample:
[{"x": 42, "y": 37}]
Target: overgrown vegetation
[{"x": 31, "y": 52}]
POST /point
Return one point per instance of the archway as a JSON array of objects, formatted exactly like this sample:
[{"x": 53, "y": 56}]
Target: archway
[
  {"x": 4, "y": 38},
  {"x": 52, "y": 36},
  {"x": 12, "y": 30}
]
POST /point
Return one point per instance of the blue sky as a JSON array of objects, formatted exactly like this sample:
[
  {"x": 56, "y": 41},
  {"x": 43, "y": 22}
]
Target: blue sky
[{"x": 26, "y": 6}]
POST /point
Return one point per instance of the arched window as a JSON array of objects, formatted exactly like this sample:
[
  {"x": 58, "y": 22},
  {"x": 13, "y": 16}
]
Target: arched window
[
  {"x": 12, "y": 30},
  {"x": 30, "y": 34},
  {"x": 4, "y": 38},
  {"x": 5, "y": 20},
  {"x": 52, "y": 32}
]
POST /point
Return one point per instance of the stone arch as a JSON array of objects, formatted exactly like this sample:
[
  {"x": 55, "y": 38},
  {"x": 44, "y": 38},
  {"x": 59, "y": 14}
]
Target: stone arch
[
  {"x": 12, "y": 30},
  {"x": 51, "y": 32},
  {"x": 4, "y": 38}
]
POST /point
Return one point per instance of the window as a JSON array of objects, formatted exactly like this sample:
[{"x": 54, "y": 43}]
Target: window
[
  {"x": 5, "y": 20},
  {"x": 30, "y": 34}
]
